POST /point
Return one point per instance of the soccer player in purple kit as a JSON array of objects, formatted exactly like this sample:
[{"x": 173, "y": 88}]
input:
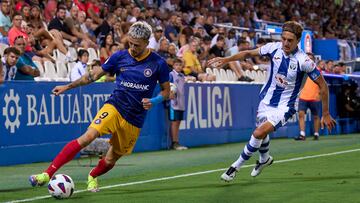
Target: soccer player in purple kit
[{"x": 137, "y": 70}]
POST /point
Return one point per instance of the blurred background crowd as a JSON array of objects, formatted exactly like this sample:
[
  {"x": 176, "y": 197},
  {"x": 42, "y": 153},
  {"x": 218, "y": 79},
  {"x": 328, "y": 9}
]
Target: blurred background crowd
[{"x": 47, "y": 32}]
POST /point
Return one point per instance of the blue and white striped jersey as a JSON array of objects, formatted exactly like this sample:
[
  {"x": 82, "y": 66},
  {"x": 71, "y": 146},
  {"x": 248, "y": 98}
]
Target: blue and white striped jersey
[{"x": 285, "y": 75}]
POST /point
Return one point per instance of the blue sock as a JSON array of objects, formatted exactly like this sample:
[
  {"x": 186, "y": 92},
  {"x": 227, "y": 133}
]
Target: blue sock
[{"x": 249, "y": 149}]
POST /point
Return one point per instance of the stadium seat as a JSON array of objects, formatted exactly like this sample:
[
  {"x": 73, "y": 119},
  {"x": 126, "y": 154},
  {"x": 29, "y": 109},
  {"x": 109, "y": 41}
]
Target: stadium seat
[
  {"x": 50, "y": 71},
  {"x": 223, "y": 75},
  {"x": 231, "y": 75},
  {"x": 41, "y": 69},
  {"x": 73, "y": 53},
  {"x": 92, "y": 55},
  {"x": 209, "y": 71},
  {"x": 2, "y": 48},
  {"x": 60, "y": 56},
  {"x": 217, "y": 74},
  {"x": 62, "y": 70}
]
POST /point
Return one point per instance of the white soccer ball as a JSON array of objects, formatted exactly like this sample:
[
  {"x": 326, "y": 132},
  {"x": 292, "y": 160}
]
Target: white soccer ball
[
  {"x": 61, "y": 186},
  {"x": 173, "y": 88}
]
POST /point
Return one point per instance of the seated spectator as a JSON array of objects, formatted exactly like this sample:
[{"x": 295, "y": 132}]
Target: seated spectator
[
  {"x": 231, "y": 39},
  {"x": 58, "y": 23},
  {"x": 209, "y": 26},
  {"x": 80, "y": 67},
  {"x": 221, "y": 32},
  {"x": 172, "y": 50},
  {"x": 322, "y": 65},
  {"x": 87, "y": 26},
  {"x": 18, "y": 31},
  {"x": 118, "y": 31},
  {"x": 105, "y": 48},
  {"x": 192, "y": 64},
  {"x": 236, "y": 66},
  {"x": 171, "y": 30},
  {"x": 163, "y": 48},
  {"x": 218, "y": 49},
  {"x": 105, "y": 28},
  {"x": 26, "y": 68},
  {"x": 25, "y": 11},
  {"x": 8, "y": 69},
  {"x": 74, "y": 26},
  {"x": 5, "y": 22},
  {"x": 50, "y": 10},
  {"x": 43, "y": 47},
  {"x": 329, "y": 66},
  {"x": 340, "y": 68},
  {"x": 154, "y": 41}
]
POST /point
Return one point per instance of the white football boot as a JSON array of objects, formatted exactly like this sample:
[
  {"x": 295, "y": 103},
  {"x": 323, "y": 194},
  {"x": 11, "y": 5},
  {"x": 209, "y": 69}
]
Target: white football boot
[
  {"x": 260, "y": 166},
  {"x": 229, "y": 175}
]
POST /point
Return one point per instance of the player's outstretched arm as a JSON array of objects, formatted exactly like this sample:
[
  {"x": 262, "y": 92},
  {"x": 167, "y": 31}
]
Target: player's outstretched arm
[
  {"x": 88, "y": 78},
  {"x": 164, "y": 95},
  {"x": 220, "y": 61},
  {"x": 326, "y": 119}
]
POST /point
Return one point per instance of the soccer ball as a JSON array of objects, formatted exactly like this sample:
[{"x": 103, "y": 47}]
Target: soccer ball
[
  {"x": 173, "y": 88},
  {"x": 61, "y": 186}
]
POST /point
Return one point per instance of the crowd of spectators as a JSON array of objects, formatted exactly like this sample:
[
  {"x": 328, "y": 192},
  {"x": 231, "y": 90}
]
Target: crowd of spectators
[{"x": 182, "y": 29}]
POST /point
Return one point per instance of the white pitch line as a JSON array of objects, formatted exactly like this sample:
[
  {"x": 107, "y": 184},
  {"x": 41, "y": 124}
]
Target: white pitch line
[{"x": 189, "y": 174}]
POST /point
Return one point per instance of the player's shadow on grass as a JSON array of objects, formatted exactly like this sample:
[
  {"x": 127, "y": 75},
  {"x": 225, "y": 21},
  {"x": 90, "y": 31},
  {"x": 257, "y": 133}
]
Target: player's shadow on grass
[
  {"x": 301, "y": 178},
  {"x": 118, "y": 191},
  {"x": 16, "y": 189}
]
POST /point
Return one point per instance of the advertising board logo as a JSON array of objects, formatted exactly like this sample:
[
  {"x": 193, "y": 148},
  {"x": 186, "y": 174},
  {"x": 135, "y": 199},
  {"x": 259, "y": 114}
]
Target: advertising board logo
[{"x": 12, "y": 111}]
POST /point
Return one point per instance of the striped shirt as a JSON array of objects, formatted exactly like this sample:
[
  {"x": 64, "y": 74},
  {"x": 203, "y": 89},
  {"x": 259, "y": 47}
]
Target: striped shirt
[{"x": 285, "y": 75}]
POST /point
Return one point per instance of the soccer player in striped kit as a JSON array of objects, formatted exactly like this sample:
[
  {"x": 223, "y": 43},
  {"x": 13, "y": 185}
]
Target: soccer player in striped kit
[{"x": 279, "y": 93}]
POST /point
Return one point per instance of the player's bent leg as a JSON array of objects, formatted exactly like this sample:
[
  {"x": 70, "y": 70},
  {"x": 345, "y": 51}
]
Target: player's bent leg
[
  {"x": 104, "y": 165},
  {"x": 66, "y": 154},
  {"x": 254, "y": 144},
  {"x": 263, "y": 131}
]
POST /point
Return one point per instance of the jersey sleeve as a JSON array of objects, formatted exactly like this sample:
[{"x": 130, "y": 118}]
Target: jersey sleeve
[
  {"x": 163, "y": 72},
  {"x": 268, "y": 48},
  {"x": 171, "y": 78},
  {"x": 309, "y": 67},
  {"x": 111, "y": 64}
]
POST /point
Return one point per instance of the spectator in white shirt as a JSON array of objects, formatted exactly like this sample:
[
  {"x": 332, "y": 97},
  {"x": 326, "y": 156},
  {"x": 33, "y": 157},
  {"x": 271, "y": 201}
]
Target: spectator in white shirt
[{"x": 80, "y": 67}]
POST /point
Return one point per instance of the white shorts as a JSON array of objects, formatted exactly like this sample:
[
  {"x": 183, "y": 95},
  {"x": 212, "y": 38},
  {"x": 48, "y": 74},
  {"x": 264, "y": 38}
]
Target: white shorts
[{"x": 275, "y": 115}]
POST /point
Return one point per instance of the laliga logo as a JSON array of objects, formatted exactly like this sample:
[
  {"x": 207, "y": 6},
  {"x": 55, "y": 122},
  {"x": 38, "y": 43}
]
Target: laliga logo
[{"x": 12, "y": 111}]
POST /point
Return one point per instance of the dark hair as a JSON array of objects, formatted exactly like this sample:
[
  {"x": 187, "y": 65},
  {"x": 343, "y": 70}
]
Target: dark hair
[
  {"x": 177, "y": 60},
  {"x": 61, "y": 7},
  {"x": 220, "y": 38},
  {"x": 112, "y": 45},
  {"x": 12, "y": 50},
  {"x": 81, "y": 52},
  {"x": 241, "y": 41},
  {"x": 293, "y": 27}
]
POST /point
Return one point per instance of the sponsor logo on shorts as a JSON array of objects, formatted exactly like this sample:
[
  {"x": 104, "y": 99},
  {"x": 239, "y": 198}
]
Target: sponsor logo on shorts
[{"x": 97, "y": 121}]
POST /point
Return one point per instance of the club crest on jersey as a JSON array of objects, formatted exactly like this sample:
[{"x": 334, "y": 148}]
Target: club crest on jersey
[
  {"x": 292, "y": 66},
  {"x": 281, "y": 80},
  {"x": 147, "y": 72}
]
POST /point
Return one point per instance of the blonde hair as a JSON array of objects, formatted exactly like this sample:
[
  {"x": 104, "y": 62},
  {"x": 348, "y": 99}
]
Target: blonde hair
[{"x": 140, "y": 30}]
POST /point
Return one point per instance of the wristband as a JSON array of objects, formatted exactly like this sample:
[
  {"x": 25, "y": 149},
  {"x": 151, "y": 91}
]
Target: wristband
[{"x": 158, "y": 99}]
